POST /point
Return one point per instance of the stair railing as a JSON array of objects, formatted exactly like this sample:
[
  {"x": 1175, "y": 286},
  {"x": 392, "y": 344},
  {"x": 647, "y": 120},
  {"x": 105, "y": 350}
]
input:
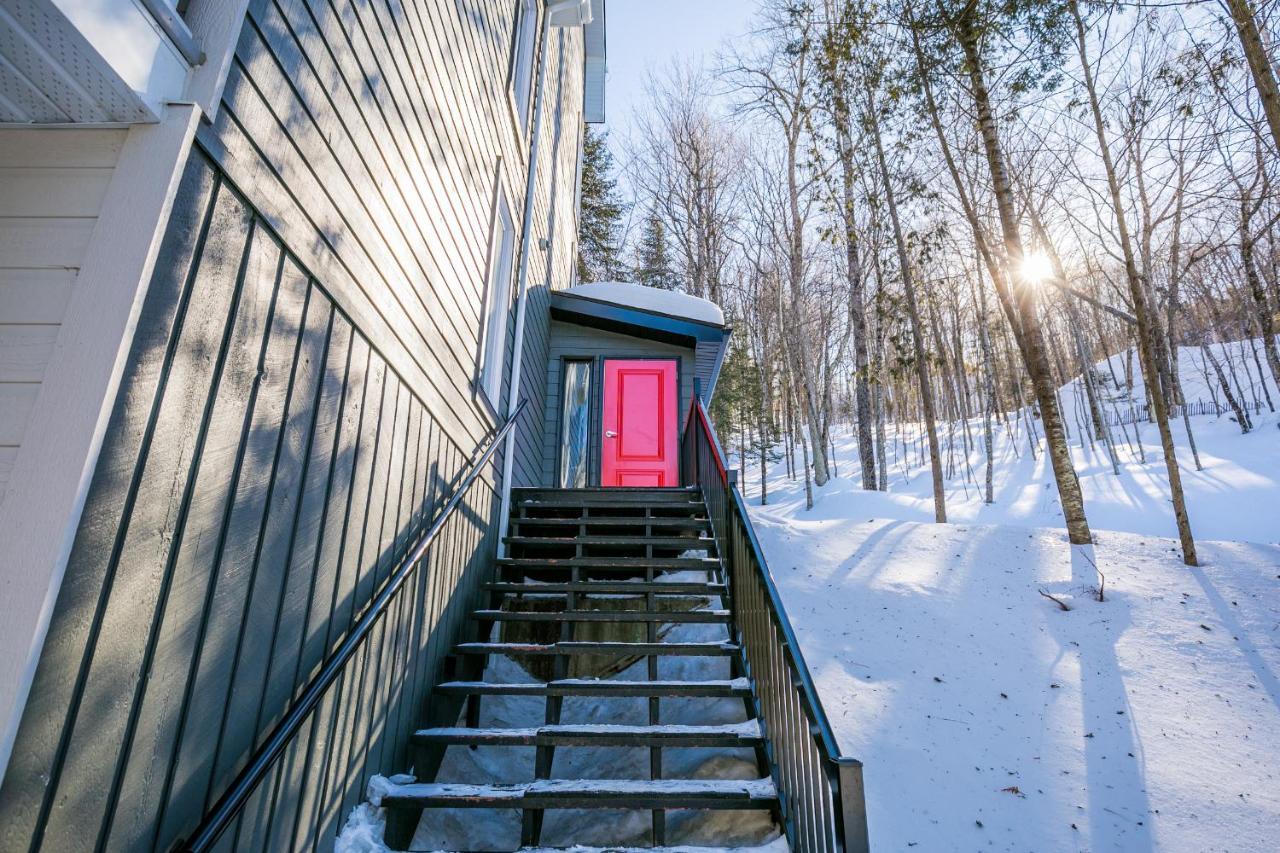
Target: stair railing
[
  {"x": 224, "y": 812},
  {"x": 820, "y": 791}
]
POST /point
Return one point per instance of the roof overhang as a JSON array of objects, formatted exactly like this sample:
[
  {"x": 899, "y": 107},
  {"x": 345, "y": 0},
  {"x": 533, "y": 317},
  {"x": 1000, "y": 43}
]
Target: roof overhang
[
  {"x": 708, "y": 340},
  {"x": 95, "y": 62}
]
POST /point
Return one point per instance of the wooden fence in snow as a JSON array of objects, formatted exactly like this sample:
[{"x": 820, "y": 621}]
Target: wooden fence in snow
[{"x": 1142, "y": 413}]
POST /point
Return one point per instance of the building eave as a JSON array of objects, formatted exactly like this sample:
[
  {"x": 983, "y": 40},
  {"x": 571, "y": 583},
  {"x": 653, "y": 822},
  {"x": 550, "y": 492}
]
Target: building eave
[
  {"x": 709, "y": 340},
  {"x": 594, "y": 66}
]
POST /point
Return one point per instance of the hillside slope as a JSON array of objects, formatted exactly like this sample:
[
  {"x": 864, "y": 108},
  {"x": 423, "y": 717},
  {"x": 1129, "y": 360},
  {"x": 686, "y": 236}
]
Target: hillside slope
[
  {"x": 988, "y": 717},
  {"x": 1235, "y": 497}
]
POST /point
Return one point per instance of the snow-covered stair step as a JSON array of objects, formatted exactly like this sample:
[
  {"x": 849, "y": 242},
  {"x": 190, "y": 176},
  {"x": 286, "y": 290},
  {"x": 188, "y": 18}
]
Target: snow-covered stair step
[
  {"x": 630, "y": 564},
  {"x": 737, "y": 687},
  {"x": 588, "y": 794},
  {"x": 778, "y": 845},
  {"x": 669, "y": 616},
  {"x": 673, "y": 523},
  {"x": 596, "y": 539},
  {"x": 590, "y": 494},
  {"x": 610, "y": 588},
  {"x": 584, "y": 647},
  {"x": 611, "y": 502},
  {"x": 730, "y": 736}
]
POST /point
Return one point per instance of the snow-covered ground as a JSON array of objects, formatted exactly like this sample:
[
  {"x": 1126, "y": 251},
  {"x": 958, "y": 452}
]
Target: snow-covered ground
[{"x": 987, "y": 717}]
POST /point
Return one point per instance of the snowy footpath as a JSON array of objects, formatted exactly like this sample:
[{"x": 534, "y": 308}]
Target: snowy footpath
[{"x": 990, "y": 718}]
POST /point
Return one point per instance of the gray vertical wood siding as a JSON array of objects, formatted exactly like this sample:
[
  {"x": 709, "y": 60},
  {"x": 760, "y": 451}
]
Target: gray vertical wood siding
[
  {"x": 300, "y": 395},
  {"x": 263, "y": 472},
  {"x": 369, "y": 135}
]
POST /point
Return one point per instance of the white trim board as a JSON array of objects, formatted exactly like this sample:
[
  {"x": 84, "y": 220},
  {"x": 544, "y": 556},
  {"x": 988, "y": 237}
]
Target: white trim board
[{"x": 51, "y": 471}]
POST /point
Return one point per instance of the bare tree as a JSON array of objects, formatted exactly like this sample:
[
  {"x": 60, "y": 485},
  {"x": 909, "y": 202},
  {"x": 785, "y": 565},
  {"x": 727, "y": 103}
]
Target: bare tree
[{"x": 683, "y": 162}]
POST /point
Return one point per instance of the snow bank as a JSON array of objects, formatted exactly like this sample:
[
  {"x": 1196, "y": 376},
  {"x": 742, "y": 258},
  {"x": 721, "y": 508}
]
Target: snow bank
[
  {"x": 671, "y": 302},
  {"x": 367, "y": 822}
]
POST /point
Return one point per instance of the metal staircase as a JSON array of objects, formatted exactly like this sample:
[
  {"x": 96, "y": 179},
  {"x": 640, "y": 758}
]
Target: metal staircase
[
  {"x": 599, "y": 584},
  {"x": 622, "y": 566}
]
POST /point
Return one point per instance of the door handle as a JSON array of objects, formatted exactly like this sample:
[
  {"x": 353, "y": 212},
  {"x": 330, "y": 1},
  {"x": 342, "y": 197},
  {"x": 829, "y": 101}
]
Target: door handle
[{"x": 610, "y": 434}]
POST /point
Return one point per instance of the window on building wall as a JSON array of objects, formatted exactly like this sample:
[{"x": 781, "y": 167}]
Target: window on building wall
[
  {"x": 522, "y": 56},
  {"x": 575, "y": 424},
  {"x": 497, "y": 302}
]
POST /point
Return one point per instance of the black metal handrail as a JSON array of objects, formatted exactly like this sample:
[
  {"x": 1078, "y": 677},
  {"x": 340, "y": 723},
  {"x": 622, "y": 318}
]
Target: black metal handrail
[
  {"x": 218, "y": 819},
  {"x": 820, "y": 791}
]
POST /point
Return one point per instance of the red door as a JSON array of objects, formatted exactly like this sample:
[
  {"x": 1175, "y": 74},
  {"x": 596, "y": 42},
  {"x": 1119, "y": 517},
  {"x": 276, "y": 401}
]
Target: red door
[{"x": 640, "y": 446}]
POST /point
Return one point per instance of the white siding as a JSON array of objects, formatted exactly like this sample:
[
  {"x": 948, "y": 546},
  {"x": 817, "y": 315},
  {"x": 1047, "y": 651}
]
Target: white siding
[{"x": 52, "y": 183}]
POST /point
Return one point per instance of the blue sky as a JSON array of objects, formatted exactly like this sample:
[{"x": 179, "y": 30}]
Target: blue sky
[{"x": 648, "y": 34}]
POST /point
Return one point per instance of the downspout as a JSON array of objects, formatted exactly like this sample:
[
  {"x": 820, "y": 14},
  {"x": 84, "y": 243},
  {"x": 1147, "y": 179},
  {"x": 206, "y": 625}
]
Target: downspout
[{"x": 553, "y": 9}]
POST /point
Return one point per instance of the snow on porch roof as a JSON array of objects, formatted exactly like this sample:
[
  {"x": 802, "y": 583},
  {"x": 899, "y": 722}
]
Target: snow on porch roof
[
  {"x": 673, "y": 303},
  {"x": 664, "y": 315}
]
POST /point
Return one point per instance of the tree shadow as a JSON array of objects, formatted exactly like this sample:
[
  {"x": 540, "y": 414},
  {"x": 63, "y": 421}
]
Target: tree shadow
[
  {"x": 1119, "y": 808},
  {"x": 1248, "y": 649},
  {"x": 941, "y": 667}
]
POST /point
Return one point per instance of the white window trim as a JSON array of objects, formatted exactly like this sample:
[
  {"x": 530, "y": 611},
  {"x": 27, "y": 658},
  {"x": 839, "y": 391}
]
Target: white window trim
[
  {"x": 524, "y": 59},
  {"x": 497, "y": 314}
]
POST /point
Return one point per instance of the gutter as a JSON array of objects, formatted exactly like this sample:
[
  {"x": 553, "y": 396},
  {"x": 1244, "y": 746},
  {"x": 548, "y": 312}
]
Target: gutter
[{"x": 720, "y": 355}]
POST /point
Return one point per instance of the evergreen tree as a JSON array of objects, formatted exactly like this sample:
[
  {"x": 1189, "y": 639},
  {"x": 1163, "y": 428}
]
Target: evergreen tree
[
  {"x": 653, "y": 265},
  {"x": 600, "y": 223}
]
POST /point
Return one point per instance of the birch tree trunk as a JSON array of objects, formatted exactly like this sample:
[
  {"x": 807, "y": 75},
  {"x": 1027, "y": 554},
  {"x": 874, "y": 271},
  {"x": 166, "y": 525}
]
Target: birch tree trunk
[
  {"x": 1255, "y": 53},
  {"x": 1033, "y": 348},
  {"x": 853, "y": 272},
  {"x": 878, "y": 401},
  {"x": 1137, "y": 291},
  {"x": 1099, "y": 421},
  {"x": 913, "y": 310},
  {"x": 803, "y": 440},
  {"x": 812, "y": 394},
  {"x": 989, "y": 398},
  {"x": 1262, "y": 310},
  {"x": 1242, "y": 417}
]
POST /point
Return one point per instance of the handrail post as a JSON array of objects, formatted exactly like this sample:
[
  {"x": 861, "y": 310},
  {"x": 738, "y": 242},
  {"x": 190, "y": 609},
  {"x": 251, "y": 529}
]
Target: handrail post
[
  {"x": 729, "y": 564},
  {"x": 821, "y": 795},
  {"x": 853, "y": 806}
]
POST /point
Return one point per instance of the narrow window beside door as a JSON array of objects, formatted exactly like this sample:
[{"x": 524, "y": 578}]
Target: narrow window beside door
[
  {"x": 498, "y": 301},
  {"x": 575, "y": 424}
]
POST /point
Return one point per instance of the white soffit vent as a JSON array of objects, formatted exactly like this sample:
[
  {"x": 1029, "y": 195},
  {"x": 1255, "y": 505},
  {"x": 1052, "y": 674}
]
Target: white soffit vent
[
  {"x": 51, "y": 73},
  {"x": 594, "y": 67}
]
